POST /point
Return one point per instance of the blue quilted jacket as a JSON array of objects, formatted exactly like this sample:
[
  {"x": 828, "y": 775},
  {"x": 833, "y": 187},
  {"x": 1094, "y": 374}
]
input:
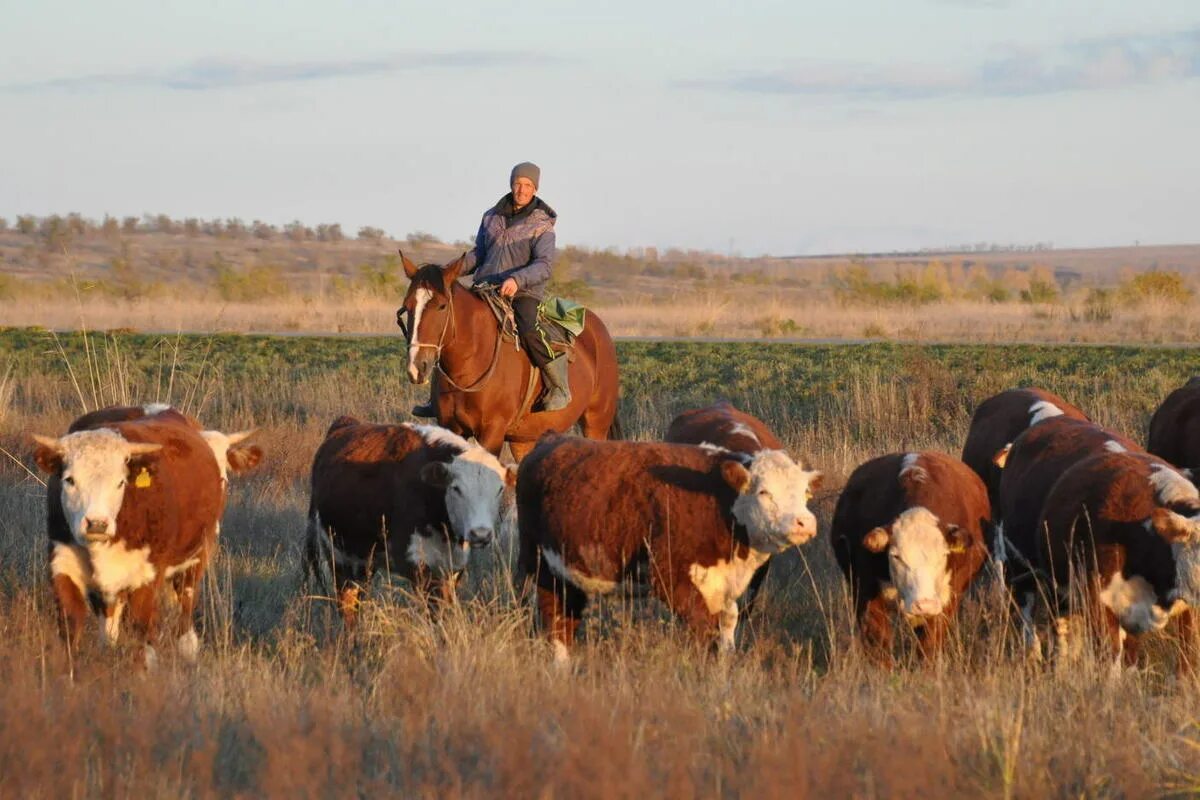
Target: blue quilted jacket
[{"x": 518, "y": 246}]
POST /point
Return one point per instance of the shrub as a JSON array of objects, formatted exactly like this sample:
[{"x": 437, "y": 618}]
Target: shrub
[
  {"x": 1165, "y": 286},
  {"x": 383, "y": 278},
  {"x": 370, "y": 233},
  {"x": 421, "y": 237},
  {"x": 259, "y": 282},
  {"x": 1098, "y": 306},
  {"x": 1041, "y": 290}
]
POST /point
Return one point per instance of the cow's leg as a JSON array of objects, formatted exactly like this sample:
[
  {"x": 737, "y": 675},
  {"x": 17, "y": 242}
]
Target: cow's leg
[
  {"x": 875, "y": 627},
  {"x": 349, "y": 599},
  {"x": 749, "y": 599},
  {"x": 932, "y": 636},
  {"x": 110, "y": 628},
  {"x": 69, "y": 576},
  {"x": 143, "y": 613},
  {"x": 561, "y": 607},
  {"x": 686, "y": 597},
  {"x": 186, "y": 641},
  {"x": 436, "y": 589}
]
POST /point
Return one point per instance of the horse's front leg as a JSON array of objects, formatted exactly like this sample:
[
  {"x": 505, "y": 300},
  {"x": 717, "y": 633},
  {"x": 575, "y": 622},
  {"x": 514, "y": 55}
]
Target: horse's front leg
[{"x": 491, "y": 438}]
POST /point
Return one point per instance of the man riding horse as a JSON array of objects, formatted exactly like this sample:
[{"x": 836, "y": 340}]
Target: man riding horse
[{"x": 514, "y": 249}]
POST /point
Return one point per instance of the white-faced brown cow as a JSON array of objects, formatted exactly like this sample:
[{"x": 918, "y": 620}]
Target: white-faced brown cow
[
  {"x": 697, "y": 520},
  {"x": 414, "y": 499},
  {"x": 908, "y": 533},
  {"x": 1125, "y": 529},
  {"x": 725, "y": 426},
  {"x": 134, "y": 501},
  {"x": 1037, "y": 459},
  {"x": 997, "y": 423},
  {"x": 1175, "y": 428}
]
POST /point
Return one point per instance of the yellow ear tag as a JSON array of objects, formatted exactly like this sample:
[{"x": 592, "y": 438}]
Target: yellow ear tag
[{"x": 143, "y": 479}]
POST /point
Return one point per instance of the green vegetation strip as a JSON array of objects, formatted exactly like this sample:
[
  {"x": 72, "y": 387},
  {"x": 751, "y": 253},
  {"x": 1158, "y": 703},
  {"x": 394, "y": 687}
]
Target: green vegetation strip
[{"x": 685, "y": 371}]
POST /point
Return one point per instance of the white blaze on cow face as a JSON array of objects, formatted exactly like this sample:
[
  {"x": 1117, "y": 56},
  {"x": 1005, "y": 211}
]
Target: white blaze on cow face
[
  {"x": 94, "y": 469},
  {"x": 918, "y": 551},
  {"x": 421, "y": 299},
  {"x": 772, "y": 501}
]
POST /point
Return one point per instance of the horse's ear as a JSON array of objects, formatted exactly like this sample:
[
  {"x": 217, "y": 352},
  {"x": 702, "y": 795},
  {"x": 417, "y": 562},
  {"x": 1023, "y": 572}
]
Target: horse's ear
[
  {"x": 410, "y": 269},
  {"x": 450, "y": 271}
]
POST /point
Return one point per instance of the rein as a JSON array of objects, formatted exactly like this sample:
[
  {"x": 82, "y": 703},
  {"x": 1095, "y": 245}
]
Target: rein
[{"x": 451, "y": 320}]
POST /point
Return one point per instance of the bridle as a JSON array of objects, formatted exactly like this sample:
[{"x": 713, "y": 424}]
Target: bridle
[{"x": 451, "y": 324}]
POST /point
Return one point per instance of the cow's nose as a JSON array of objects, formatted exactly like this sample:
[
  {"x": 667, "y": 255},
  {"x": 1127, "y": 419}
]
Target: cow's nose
[
  {"x": 95, "y": 525},
  {"x": 927, "y": 607},
  {"x": 802, "y": 531},
  {"x": 479, "y": 537}
]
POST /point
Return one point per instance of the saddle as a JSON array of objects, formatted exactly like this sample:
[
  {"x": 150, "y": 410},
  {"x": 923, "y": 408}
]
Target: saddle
[{"x": 560, "y": 320}]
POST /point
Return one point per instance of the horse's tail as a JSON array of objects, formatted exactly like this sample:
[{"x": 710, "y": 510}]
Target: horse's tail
[{"x": 616, "y": 431}]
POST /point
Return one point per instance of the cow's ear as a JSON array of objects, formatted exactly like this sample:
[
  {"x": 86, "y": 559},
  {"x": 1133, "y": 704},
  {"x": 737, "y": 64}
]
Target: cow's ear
[
  {"x": 816, "y": 479},
  {"x": 244, "y": 458},
  {"x": 510, "y": 475},
  {"x": 1001, "y": 457},
  {"x": 436, "y": 474},
  {"x": 1173, "y": 527},
  {"x": 410, "y": 269},
  {"x": 48, "y": 454},
  {"x": 876, "y": 540},
  {"x": 142, "y": 454},
  {"x": 451, "y": 271},
  {"x": 737, "y": 476},
  {"x": 957, "y": 540}
]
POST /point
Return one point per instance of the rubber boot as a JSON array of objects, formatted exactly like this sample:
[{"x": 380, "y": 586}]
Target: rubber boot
[
  {"x": 558, "y": 390},
  {"x": 428, "y": 409}
]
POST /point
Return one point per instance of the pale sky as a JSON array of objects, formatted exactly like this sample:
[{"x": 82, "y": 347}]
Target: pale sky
[{"x": 768, "y": 127}]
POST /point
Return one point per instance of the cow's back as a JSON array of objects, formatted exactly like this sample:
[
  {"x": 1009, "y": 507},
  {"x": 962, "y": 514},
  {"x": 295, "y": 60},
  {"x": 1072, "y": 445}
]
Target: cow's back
[
  {"x": 723, "y": 425},
  {"x": 1038, "y": 457},
  {"x": 364, "y": 482},
  {"x": 581, "y": 495},
  {"x": 1175, "y": 427},
  {"x": 1000, "y": 419}
]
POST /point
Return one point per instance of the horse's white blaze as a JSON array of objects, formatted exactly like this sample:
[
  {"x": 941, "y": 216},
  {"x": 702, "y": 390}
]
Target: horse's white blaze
[
  {"x": 917, "y": 561},
  {"x": 1133, "y": 603},
  {"x": 775, "y": 504},
  {"x": 1041, "y": 410},
  {"x": 421, "y": 299}
]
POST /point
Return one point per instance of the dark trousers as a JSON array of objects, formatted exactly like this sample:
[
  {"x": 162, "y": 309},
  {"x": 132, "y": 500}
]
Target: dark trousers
[{"x": 525, "y": 308}]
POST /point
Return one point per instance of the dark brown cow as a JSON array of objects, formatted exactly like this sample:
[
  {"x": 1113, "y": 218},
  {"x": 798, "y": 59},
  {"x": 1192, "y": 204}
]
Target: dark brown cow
[
  {"x": 411, "y": 498},
  {"x": 1175, "y": 428},
  {"x": 1124, "y": 528},
  {"x": 999, "y": 420},
  {"x": 700, "y": 520},
  {"x": 725, "y": 426},
  {"x": 908, "y": 533},
  {"x": 133, "y": 501},
  {"x": 1037, "y": 459}
]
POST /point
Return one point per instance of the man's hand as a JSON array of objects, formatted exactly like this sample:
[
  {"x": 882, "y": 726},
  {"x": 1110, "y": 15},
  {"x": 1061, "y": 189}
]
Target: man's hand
[{"x": 509, "y": 287}]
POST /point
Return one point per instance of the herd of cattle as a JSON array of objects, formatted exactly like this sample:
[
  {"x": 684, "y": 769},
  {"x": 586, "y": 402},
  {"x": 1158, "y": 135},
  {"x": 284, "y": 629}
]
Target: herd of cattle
[{"x": 1060, "y": 506}]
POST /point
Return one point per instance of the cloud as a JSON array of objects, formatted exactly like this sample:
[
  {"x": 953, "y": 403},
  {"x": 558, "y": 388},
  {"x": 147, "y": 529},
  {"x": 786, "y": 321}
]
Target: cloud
[
  {"x": 210, "y": 74},
  {"x": 1012, "y": 72}
]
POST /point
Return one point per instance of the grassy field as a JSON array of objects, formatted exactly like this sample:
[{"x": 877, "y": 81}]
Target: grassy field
[{"x": 467, "y": 704}]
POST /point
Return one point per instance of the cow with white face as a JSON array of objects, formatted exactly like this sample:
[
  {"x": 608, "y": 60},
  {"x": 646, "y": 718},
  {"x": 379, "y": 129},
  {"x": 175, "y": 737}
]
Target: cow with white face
[
  {"x": 414, "y": 499},
  {"x": 130, "y": 504},
  {"x": 699, "y": 521},
  {"x": 908, "y": 533},
  {"x": 1124, "y": 529}
]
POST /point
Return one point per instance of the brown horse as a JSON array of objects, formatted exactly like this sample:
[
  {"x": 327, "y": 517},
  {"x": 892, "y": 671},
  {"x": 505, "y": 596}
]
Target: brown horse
[{"x": 484, "y": 384}]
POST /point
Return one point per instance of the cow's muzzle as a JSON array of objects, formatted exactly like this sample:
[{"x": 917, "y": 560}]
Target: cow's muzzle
[
  {"x": 479, "y": 537},
  {"x": 96, "y": 530}
]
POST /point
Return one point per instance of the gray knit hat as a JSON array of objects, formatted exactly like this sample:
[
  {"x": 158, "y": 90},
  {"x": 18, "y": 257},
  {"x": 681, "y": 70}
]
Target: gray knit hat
[{"x": 526, "y": 169}]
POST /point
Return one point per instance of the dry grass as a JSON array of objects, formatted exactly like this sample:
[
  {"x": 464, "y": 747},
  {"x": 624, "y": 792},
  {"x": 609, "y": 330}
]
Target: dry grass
[
  {"x": 467, "y": 705},
  {"x": 735, "y": 312}
]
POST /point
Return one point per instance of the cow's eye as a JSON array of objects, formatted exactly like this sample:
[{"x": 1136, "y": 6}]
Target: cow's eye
[
  {"x": 121, "y": 485},
  {"x": 763, "y": 493},
  {"x": 69, "y": 481}
]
